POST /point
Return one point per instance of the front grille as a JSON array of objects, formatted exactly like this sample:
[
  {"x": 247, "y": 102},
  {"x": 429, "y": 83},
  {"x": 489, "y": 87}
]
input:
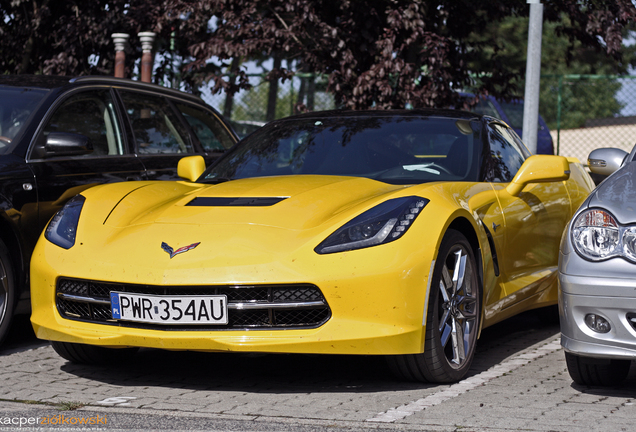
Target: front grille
[{"x": 270, "y": 306}]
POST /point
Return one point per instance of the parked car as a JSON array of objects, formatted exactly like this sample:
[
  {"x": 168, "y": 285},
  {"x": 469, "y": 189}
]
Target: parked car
[
  {"x": 61, "y": 135},
  {"x": 597, "y": 274},
  {"x": 512, "y": 113},
  {"x": 397, "y": 233}
]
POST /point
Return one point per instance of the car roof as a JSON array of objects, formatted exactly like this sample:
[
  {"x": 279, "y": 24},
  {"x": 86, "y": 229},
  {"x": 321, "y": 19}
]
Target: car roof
[
  {"x": 432, "y": 112},
  {"x": 51, "y": 82}
]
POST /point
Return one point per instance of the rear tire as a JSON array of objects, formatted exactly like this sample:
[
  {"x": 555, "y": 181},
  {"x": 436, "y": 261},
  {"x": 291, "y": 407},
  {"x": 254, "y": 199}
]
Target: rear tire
[
  {"x": 92, "y": 355},
  {"x": 452, "y": 321},
  {"x": 7, "y": 292},
  {"x": 596, "y": 372}
]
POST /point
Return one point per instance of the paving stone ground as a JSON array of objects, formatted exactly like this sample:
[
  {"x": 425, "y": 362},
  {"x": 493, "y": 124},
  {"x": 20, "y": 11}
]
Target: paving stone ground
[{"x": 519, "y": 381}]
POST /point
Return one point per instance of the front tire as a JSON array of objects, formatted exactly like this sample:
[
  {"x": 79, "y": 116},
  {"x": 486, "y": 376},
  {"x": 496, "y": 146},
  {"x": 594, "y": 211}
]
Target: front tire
[
  {"x": 91, "y": 354},
  {"x": 452, "y": 321},
  {"x": 596, "y": 372},
  {"x": 7, "y": 292}
]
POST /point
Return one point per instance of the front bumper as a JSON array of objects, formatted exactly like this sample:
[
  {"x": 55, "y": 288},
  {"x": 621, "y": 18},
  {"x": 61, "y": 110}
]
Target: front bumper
[
  {"x": 377, "y": 297},
  {"x": 617, "y": 304}
]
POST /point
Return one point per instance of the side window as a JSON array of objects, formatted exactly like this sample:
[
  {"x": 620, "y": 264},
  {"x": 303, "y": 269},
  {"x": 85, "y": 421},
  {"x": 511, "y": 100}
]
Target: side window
[
  {"x": 506, "y": 154},
  {"x": 211, "y": 133},
  {"x": 92, "y": 114},
  {"x": 156, "y": 127}
]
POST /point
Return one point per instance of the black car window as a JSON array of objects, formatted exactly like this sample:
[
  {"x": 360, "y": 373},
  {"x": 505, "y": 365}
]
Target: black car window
[
  {"x": 396, "y": 150},
  {"x": 156, "y": 127},
  {"x": 92, "y": 114},
  {"x": 506, "y": 154},
  {"x": 211, "y": 133},
  {"x": 16, "y": 105}
]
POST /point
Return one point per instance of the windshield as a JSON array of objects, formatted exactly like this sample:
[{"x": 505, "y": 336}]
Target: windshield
[
  {"x": 16, "y": 105},
  {"x": 394, "y": 149}
]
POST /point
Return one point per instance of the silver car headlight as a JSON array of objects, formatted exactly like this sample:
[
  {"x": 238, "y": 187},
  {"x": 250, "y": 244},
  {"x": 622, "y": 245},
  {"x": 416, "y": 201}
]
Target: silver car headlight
[{"x": 597, "y": 235}]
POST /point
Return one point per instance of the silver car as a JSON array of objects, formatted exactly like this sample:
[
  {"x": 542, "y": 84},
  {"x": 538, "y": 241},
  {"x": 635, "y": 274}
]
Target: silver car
[{"x": 597, "y": 275}]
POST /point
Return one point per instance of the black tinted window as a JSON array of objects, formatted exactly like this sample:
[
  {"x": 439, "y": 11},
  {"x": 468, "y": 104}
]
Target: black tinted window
[
  {"x": 211, "y": 133},
  {"x": 92, "y": 114},
  {"x": 156, "y": 126},
  {"x": 506, "y": 155},
  {"x": 16, "y": 105},
  {"x": 398, "y": 150}
]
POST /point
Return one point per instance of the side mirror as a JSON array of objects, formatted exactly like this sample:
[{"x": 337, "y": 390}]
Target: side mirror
[
  {"x": 64, "y": 144},
  {"x": 539, "y": 169},
  {"x": 605, "y": 161},
  {"x": 191, "y": 167}
]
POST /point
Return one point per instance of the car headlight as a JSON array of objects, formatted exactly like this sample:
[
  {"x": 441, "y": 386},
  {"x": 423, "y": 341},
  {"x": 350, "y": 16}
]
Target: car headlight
[
  {"x": 383, "y": 223},
  {"x": 63, "y": 227},
  {"x": 597, "y": 235}
]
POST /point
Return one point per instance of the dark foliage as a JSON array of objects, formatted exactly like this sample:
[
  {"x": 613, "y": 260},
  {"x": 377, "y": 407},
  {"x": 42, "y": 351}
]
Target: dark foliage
[{"x": 378, "y": 53}]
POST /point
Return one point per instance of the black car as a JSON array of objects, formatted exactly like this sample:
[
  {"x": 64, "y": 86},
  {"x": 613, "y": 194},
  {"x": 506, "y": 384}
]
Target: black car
[{"x": 61, "y": 135}]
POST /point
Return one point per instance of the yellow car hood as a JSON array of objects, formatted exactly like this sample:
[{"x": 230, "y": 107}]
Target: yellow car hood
[
  {"x": 305, "y": 202},
  {"x": 126, "y": 225}
]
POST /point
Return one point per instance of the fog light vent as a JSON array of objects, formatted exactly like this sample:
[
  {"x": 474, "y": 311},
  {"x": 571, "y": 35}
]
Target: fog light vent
[{"x": 597, "y": 323}]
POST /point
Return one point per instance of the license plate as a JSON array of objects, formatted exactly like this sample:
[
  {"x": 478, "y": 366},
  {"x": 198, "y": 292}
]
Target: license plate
[{"x": 169, "y": 309}]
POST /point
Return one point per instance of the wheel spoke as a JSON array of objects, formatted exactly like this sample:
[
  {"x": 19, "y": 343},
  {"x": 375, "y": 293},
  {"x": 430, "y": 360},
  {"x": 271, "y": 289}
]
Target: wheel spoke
[
  {"x": 444, "y": 320},
  {"x": 445, "y": 333},
  {"x": 445, "y": 284},
  {"x": 459, "y": 354},
  {"x": 459, "y": 271}
]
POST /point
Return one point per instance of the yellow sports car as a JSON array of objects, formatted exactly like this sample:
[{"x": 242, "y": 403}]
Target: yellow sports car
[{"x": 395, "y": 233}]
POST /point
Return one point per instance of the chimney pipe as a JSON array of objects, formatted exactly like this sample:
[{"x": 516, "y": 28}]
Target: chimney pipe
[
  {"x": 147, "y": 39},
  {"x": 120, "y": 40}
]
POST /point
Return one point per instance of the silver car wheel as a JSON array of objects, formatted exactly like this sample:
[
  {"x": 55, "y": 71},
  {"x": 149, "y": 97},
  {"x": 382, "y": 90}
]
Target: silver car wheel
[
  {"x": 458, "y": 304},
  {"x": 452, "y": 317}
]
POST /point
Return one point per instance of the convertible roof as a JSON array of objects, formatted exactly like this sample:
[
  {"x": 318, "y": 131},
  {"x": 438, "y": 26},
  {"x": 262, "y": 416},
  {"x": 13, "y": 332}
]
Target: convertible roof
[{"x": 448, "y": 113}]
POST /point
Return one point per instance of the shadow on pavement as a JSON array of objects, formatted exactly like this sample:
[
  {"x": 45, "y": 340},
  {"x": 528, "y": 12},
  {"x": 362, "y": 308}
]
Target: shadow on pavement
[
  {"x": 20, "y": 337},
  {"x": 293, "y": 373}
]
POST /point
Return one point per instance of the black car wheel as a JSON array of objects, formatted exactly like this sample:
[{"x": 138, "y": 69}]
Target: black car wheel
[
  {"x": 452, "y": 320},
  {"x": 596, "y": 372},
  {"x": 90, "y": 354},
  {"x": 7, "y": 292}
]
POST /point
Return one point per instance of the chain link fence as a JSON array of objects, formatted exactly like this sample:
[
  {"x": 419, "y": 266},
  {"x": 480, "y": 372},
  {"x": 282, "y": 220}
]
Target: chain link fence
[
  {"x": 249, "y": 109},
  {"x": 585, "y": 112}
]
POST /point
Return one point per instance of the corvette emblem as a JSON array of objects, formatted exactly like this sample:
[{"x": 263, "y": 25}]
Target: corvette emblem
[{"x": 173, "y": 252}]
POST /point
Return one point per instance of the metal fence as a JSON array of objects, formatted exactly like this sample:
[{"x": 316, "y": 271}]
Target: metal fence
[
  {"x": 254, "y": 106},
  {"x": 585, "y": 112}
]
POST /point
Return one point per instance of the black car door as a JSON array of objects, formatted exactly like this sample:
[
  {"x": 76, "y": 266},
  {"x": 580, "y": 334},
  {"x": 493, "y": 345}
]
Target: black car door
[{"x": 60, "y": 175}]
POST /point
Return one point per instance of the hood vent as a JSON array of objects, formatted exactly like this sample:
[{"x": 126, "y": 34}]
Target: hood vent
[{"x": 235, "y": 202}]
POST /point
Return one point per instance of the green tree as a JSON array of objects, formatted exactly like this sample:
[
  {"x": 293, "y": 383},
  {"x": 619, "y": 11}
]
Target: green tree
[{"x": 581, "y": 100}]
